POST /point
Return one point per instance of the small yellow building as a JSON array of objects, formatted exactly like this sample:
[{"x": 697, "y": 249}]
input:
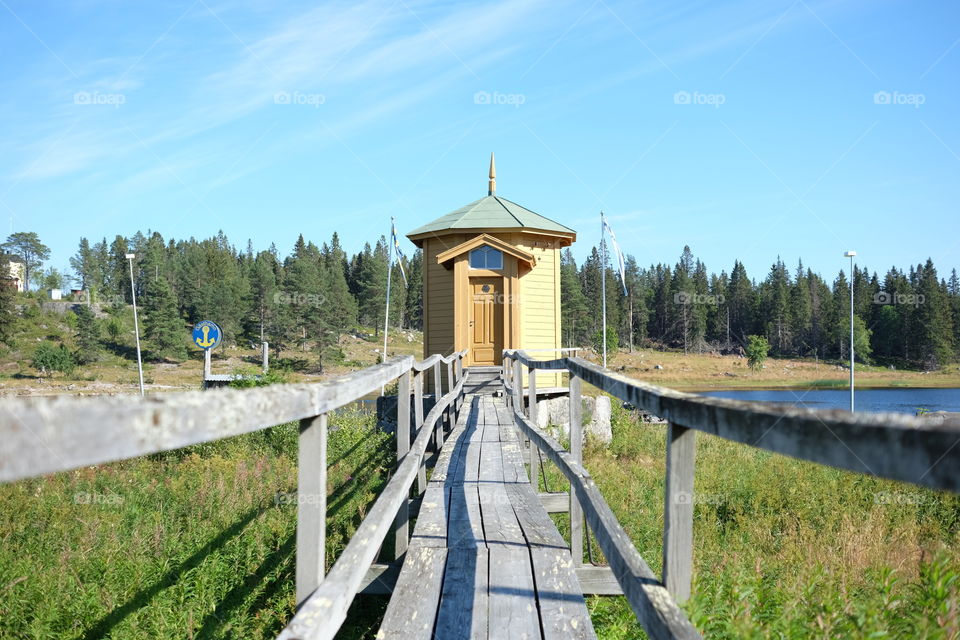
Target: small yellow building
[{"x": 491, "y": 279}]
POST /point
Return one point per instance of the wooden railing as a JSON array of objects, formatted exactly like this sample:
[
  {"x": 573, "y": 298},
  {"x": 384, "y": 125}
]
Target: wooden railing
[
  {"x": 51, "y": 434},
  {"x": 893, "y": 446}
]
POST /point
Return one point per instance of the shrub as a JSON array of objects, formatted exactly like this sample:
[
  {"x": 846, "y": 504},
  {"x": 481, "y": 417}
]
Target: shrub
[
  {"x": 613, "y": 342},
  {"x": 50, "y": 357},
  {"x": 757, "y": 348}
]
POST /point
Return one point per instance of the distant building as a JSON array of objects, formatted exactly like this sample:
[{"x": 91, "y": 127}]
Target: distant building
[
  {"x": 491, "y": 280},
  {"x": 17, "y": 275},
  {"x": 55, "y": 294}
]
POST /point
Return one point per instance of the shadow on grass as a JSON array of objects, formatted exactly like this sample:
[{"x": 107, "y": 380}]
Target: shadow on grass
[
  {"x": 275, "y": 573},
  {"x": 105, "y": 625}
]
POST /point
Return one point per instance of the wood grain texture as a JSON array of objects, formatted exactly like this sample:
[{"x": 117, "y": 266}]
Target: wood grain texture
[
  {"x": 412, "y": 611},
  {"x": 678, "y": 512},
  {"x": 311, "y": 505}
]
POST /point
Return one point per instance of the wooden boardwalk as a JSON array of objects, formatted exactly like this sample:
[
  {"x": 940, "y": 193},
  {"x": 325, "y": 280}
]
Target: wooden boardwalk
[{"x": 485, "y": 560}]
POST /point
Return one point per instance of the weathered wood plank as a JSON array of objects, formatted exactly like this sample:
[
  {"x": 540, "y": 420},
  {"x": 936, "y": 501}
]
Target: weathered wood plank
[
  {"x": 537, "y": 526},
  {"x": 678, "y": 512},
  {"x": 47, "y": 434},
  {"x": 598, "y": 581},
  {"x": 513, "y": 602},
  {"x": 463, "y": 606},
  {"x": 555, "y": 502},
  {"x": 465, "y": 524},
  {"x": 311, "y": 505},
  {"x": 431, "y": 526},
  {"x": 563, "y": 611},
  {"x": 576, "y": 452},
  {"x": 532, "y": 414},
  {"x": 500, "y": 525},
  {"x": 412, "y": 610},
  {"x": 401, "y": 523}
]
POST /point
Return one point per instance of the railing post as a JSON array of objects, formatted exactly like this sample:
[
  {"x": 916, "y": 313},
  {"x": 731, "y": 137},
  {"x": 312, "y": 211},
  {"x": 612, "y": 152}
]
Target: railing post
[
  {"x": 678, "y": 512},
  {"x": 437, "y": 394},
  {"x": 450, "y": 386},
  {"x": 401, "y": 523},
  {"x": 576, "y": 450},
  {"x": 517, "y": 391},
  {"x": 311, "y": 505},
  {"x": 532, "y": 414},
  {"x": 418, "y": 423},
  {"x": 458, "y": 373}
]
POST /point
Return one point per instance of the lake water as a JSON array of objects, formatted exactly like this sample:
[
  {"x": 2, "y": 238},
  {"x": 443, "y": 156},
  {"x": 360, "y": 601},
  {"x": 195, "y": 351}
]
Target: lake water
[{"x": 873, "y": 400}]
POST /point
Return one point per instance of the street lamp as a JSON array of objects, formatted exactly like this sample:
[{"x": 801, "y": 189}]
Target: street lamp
[
  {"x": 851, "y": 254},
  {"x": 136, "y": 324}
]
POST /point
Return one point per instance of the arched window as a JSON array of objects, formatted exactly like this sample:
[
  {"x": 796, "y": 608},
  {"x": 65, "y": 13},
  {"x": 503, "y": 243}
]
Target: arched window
[{"x": 486, "y": 258}]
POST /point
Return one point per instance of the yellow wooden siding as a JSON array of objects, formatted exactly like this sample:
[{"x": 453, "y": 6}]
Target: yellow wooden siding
[
  {"x": 538, "y": 302},
  {"x": 439, "y": 317}
]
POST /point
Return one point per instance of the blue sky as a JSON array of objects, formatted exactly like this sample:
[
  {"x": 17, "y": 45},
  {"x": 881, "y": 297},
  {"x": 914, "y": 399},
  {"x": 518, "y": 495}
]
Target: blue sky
[{"x": 744, "y": 129}]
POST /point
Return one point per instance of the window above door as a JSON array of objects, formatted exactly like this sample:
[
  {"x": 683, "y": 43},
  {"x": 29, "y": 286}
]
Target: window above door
[{"x": 486, "y": 257}]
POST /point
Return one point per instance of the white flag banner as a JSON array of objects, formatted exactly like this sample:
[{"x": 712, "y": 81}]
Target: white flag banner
[
  {"x": 621, "y": 265},
  {"x": 400, "y": 256}
]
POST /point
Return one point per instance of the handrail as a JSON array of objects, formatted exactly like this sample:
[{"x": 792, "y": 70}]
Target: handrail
[
  {"x": 437, "y": 358},
  {"x": 885, "y": 445},
  {"x": 105, "y": 429},
  {"x": 925, "y": 453}
]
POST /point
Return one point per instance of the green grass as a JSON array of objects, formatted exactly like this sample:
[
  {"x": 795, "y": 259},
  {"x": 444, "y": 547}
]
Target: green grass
[
  {"x": 187, "y": 544},
  {"x": 784, "y": 548}
]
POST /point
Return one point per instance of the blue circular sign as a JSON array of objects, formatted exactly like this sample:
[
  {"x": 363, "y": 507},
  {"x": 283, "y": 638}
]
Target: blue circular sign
[{"x": 206, "y": 334}]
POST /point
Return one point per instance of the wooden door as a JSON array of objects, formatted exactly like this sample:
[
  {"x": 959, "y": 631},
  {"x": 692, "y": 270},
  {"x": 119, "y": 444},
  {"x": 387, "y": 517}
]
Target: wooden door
[{"x": 486, "y": 321}]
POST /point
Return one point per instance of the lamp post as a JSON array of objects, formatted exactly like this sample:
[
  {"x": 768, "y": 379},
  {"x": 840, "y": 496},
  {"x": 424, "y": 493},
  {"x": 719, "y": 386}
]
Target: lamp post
[
  {"x": 851, "y": 254},
  {"x": 136, "y": 324}
]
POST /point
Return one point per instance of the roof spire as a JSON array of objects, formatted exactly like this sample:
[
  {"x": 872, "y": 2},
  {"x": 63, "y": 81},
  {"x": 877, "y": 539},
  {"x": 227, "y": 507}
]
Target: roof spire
[{"x": 492, "y": 185}]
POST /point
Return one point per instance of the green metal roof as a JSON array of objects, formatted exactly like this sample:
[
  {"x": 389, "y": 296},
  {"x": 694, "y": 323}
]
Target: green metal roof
[{"x": 492, "y": 212}]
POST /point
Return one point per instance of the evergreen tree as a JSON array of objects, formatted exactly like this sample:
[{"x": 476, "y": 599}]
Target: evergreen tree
[
  {"x": 373, "y": 285},
  {"x": 88, "y": 335},
  {"x": 740, "y": 300},
  {"x": 573, "y": 307},
  {"x": 414, "y": 301},
  {"x": 934, "y": 319},
  {"x": 163, "y": 327}
]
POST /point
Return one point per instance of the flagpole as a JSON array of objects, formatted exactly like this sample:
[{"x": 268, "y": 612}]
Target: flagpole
[
  {"x": 386, "y": 314},
  {"x": 603, "y": 285}
]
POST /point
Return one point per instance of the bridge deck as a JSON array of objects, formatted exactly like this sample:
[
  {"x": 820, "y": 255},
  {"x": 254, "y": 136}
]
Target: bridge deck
[{"x": 485, "y": 560}]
